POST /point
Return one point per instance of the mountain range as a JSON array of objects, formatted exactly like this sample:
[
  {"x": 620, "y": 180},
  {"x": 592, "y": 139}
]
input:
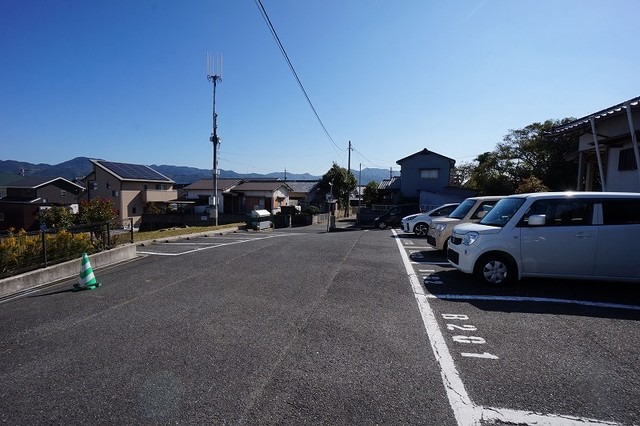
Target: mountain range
[{"x": 81, "y": 166}]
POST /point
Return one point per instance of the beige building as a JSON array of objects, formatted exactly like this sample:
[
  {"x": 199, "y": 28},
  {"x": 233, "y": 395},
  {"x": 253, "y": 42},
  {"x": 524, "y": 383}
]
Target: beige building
[{"x": 133, "y": 188}]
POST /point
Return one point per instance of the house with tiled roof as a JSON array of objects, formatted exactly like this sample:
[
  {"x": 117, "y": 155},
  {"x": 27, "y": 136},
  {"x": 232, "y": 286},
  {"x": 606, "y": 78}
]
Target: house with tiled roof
[
  {"x": 303, "y": 192},
  {"x": 425, "y": 179},
  {"x": 201, "y": 191},
  {"x": 262, "y": 195},
  {"x": 133, "y": 188}
]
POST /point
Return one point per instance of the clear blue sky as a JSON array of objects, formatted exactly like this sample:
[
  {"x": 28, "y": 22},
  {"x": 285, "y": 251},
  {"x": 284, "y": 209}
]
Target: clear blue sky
[{"x": 126, "y": 80}]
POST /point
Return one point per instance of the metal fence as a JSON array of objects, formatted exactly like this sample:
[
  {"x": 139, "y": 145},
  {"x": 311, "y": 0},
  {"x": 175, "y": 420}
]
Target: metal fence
[{"x": 23, "y": 251}]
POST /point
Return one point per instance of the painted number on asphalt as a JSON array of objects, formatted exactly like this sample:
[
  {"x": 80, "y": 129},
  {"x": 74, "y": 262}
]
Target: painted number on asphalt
[{"x": 476, "y": 340}]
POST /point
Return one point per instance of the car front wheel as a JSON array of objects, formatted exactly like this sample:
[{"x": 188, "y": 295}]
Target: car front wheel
[
  {"x": 421, "y": 230},
  {"x": 495, "y": 270},
  {"x": 382, "y": 225}
]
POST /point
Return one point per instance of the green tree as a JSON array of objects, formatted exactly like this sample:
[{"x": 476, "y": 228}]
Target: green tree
[
  {"x": 370, "y": 193},
  {"x": 531, "y": 184},
  {"x": 340, "y": 183},
  {"x": 97, "y": 210},
  {"x": 530, "y": 152},
  {"x": 57, "y": 217},
  {"x": 534, "y": 152}
]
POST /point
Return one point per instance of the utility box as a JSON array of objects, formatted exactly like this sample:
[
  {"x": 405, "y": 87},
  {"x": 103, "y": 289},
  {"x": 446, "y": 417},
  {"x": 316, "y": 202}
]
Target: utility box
[{"x": 259, "y": 219}]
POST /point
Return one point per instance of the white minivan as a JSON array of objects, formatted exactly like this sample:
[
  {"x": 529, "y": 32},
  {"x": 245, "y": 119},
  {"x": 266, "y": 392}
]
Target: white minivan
[{"x": 583, "y": 235}]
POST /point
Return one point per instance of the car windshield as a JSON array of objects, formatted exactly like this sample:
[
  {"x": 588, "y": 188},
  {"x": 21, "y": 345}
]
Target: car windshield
[
  {"x": 462, "y": 210},
  {"x": 502, "y": 212}
]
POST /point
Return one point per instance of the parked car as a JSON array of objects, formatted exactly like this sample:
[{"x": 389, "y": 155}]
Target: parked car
[
  {"x": 394, "y": 215},
  {"x": 419, "y": 223},
  {"x": 470, "y": 210},
  {"x": 582, "y": 235}
]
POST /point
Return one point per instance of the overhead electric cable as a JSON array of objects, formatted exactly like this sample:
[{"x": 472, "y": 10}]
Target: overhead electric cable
[{"x": 265, "y": 16}]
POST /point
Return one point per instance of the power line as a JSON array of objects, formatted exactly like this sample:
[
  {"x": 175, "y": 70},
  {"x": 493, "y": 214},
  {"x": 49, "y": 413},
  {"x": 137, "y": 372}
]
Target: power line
[{"x": 265, "y": 16}]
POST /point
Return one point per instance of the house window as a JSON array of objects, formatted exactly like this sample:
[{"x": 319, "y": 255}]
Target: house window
[
  {"x": 115, "y": 193},
  {"x": 627, "y": 160},
  {"x": 1, "y": 217},
  {"x": 108, "y": 185},
  {"x": 134, "y": 210},
  {"x": 63, "y": 193},
  {"x": 160, "y": 186},
  {"x": 429, "y": 173}
]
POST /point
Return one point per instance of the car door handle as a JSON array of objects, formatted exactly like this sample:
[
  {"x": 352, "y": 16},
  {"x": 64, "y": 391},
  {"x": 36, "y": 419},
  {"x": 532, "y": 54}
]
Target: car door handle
[{"x": 583, "y": 235}]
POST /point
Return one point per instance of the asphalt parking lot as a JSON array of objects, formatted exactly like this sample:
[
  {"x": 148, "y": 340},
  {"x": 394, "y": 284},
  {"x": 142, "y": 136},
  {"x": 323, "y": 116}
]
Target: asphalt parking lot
[
  {"x": 548, "y": 351},
  {"x": 294, "y": 326}
]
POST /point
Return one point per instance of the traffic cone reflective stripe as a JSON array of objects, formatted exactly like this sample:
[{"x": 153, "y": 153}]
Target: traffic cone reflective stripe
[{"x": 87, "y": 279}]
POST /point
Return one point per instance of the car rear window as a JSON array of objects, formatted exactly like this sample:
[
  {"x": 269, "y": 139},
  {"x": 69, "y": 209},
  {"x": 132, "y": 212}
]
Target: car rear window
[{"x": 621, "y": 212}]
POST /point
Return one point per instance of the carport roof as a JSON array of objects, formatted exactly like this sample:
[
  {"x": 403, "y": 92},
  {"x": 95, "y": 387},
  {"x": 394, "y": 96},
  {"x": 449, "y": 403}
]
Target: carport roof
[{"x": 584, "y": 124}]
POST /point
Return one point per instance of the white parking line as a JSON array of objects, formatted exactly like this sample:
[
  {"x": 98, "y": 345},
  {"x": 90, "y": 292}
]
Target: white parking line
[
  {"x": 533, "y": 299},
  {"x": 208, "y": 246},
  {"x": 464, "y": 410}
]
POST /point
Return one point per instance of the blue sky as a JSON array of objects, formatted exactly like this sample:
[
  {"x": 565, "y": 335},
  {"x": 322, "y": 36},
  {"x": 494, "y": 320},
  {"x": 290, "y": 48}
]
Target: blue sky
[{"x": 126, "y": 80}]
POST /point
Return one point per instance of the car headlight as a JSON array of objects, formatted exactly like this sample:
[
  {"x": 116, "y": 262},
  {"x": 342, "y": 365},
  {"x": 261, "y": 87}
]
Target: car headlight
[
  {"x": 470, "y": 238},
  {"x": 441, "y": 227},
  {"x": 410, "y": 217}
]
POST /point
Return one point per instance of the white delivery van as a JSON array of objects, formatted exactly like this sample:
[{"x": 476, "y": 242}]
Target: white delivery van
[
  {"x": 580, "y": 235},
  {"x": 470, "y": 210}
]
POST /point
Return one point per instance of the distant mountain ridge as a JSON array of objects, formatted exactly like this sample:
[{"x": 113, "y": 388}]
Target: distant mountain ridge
[{"x": 79, "y": 167}]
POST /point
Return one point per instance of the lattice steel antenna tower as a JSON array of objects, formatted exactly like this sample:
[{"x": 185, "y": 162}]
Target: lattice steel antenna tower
[{"x": 214, "y": 76}]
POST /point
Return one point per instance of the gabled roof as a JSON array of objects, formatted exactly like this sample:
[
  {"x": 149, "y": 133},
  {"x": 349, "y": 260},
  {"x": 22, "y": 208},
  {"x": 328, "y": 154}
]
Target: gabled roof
[
  {"x": 261, "y": 185},
  {"x": 35, "y": 182},
  {"x": 207, "y": 184},
  {"x": 131, "y": 172},
  {"x": 584, "y": 123},
  {"x": 390, "y": 184},
  {"x": 305, "y": 186},
  {"x": 424, "y": 152}
]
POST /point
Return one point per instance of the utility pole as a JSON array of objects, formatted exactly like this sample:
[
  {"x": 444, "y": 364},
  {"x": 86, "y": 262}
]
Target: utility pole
[
  {"x": 214, "y": 78},
  {"x": 346, "y": 213}
]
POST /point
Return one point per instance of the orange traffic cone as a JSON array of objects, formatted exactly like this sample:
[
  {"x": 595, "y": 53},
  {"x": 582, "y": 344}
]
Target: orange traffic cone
[{"x": 87, "y": 280}]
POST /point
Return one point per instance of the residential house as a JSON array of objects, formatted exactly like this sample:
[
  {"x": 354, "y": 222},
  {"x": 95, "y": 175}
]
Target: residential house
[
  {"x": 133, "y": 188},
  {"x": 608, "y": 151},
  {"x": 201, "y": 192},
  {"x": 25, "y": 197},
  {"x": 303, "y": 192},
  {"x": 425, "y": 179},
  {"x": 262, "y": 194},
  {"x": 389, "y": 190}
]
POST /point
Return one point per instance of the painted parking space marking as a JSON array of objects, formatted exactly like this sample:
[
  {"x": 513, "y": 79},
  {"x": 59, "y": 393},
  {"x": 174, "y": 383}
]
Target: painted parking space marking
[
  {"x": 465, "y": 411},
  {"x": 533, "y": 299},
  {"x": 205, "y": 246}
]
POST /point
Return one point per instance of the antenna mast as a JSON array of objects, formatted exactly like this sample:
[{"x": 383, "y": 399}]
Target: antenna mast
[{"x": 214, "y": 77}]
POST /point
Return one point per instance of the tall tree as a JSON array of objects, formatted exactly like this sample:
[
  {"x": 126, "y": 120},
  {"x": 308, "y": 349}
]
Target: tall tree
[
  {"x": 340, "y": 183},
  {"x": 530, "y": 152},
  {"x": 370, "y": 193},
  {"x": 534, "y": 152}
]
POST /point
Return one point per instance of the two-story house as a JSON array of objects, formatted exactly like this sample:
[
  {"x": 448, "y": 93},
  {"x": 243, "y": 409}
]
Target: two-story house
[
  {"x": 201, "y": 192},
  {"x": 608, "y": 151},
  {"x": 132, "y": 188},
  {"x": 26, "y": 196},
  {"x": 425, "y": 177}
]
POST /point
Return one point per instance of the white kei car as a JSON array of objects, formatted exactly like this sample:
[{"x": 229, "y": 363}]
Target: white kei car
[{"x": 419, "y": 223}]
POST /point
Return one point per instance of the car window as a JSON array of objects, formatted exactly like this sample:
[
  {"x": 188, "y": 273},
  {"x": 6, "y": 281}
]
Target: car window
[
  {"x": 502, "y": 212},
  {"x": 620, "y": 212},
  {"x": 561, "y": 212},
  {"x": 484, "y": 208},
  {"x": 462, "y": 210}
]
